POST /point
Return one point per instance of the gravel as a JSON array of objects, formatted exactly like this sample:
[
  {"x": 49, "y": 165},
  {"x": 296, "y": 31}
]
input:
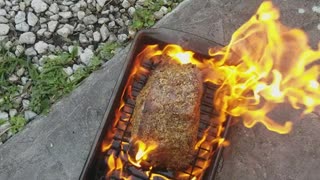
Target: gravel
[
  {"x": 41, "y": 28},
  {"x": 4, "y": 115},
  {"x": 27, "y": 38}
]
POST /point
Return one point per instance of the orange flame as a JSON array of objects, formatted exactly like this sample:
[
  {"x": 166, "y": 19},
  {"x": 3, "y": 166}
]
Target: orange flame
[
  {"x": 142, "y": 152},
  {"x": 266, "y": 64}
]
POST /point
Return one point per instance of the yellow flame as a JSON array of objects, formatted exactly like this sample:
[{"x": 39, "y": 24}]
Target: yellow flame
[
  {"x": 266, "y": 64},
  {"x": 142, "y": 152}
]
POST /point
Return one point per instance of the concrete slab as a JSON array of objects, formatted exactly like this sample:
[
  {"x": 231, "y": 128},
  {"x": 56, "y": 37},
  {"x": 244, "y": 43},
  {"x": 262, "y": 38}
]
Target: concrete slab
[{"x": 56, "y": 146}]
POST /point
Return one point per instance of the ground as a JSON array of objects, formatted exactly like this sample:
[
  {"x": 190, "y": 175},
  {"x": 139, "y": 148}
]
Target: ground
[{"x": 56, "y": 146}]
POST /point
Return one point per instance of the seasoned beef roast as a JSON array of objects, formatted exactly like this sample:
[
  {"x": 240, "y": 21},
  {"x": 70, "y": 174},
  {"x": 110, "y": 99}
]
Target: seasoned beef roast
[{"x": 167, "y": 112}]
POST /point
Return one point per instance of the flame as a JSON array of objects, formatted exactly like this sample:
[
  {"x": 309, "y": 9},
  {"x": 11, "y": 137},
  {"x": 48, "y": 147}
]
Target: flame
[
  {"x": 142, "y": 152},
  {"x": 265, "y": 64}
]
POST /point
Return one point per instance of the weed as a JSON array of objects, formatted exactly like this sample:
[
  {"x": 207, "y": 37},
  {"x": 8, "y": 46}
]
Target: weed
[
  {"x": 107, "y": 50},
  {"x": 17, "y": 123}
]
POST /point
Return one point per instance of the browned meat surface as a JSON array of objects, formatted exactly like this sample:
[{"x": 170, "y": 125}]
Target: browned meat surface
[{"x": 167, "y": 112}]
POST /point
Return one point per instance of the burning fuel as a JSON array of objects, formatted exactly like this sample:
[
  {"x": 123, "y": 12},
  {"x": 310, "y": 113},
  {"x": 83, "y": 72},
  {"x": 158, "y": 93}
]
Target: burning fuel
[{"x": 265, "y": 64}]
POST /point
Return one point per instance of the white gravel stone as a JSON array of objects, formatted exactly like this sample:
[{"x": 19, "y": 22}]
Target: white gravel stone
[
  {"x": 86, "y": 56},
  {"x": 91, "y": 19},
  {"x": 131, "y": 11},
  {"x": 13, "y": 112},
  {"x": 24, "y": 27},
  {"x": 40, "y": 32},
  {"x": 41, "y": 47},
  {"x": 27, "y": 38},
  {"x": 318, "y": 27},
  {"x": 103, "y": 20},
  {"x": 52, "y": 25},
  {"x": 65, "y": 31},
  {"x": 30, "y": 52},
  {"x": 13, "y": 78},
  {"x": 101, "y": 2},
  {"x": 3, "y": 20},
  {"x": 24, "y": 80},
  {"x": 20, "y": 17},
  {"x": 20, "y": 72},
  {"x": 4, "y": 29},
  {"x": 76, "y": 67},
  {"x": 80, "y": 27},
  {"x": 25, "y": 103},
  {"x": 2, "y": 3},
  {"x": 68, "y": 71},
  {"x": 122, "y": 38},
  {"x": 125, "y": 4},
  {"x": 83, "y": 39},
  {"x": 96, "y": 36},
  {"x": 22, "y": 6},
  {"x": 32, "y": 19},
  {"x": 54, "y": 8},
  {"x": 3, "y": 12},
  {"x": 4, "y": 115},
  {"x": 111, "y": 24},
  {"x": 65, "y": 15},
  {"x": 19, "y": 50},
  {"x": 39, "y": 6},
  {"x": 29, "y": 115},
  {"x": 81, "y": 15},
  {"x": 104, "y": 31},
  {"x": 140, "y": 2}
]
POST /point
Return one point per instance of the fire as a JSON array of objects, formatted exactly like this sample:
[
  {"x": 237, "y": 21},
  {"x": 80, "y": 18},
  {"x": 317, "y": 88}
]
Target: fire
[
  {"x": 265, "y": 64},
  {"x": 142, "y": 152}
]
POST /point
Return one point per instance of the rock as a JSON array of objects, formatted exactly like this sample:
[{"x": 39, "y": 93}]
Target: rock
[
  {"x": 83, "y": 39},
  {"x": 20, "y": 72},
  {"x": 140, "y": 2},
  {"x": 119, "y": 21},
  {"x": 80, "y": 27},
  {"x": 8, "y": 45},
  {"x": 2, "y": 3},
  {"x": 52, "y": 25},
  {"x": 104, "y": 31},
  {"x": 47, "y": 34},
  {"x": 54, "y": 17},
  {"x": 76, "y": 67},
  {"x": 65, "y": 15},
  {"x": 25, "y": 103},
  {"x": 24, "y": 80},
  {"x": 131, "y": 11},
  {"x": 4, "y": 115},
  {"x": 39, "y": 6},
  {"x": 13, "y": 78},
  {"x": 125, "y": 4},
  {"x": 101, "y": 2},
  {"x": 41, "y": 47},
  {"x": 81, "y": 15},
  {"x": 96, "y": 36},
  {"x": 103, "y": 20},
  {"x": 66, "y": 30},
  {"x": 32, "y": 19},
  {"x": 29, "y": 115},
  {"x": 122, "y": 38},
  {"x": 68, "y": 71},
  {"x": 30, "y": 52},
  {"x": 158, "y": 14},
  {"x": 131, "y": 33},
  {"x": 41, "y": 32},
  {"x": 19, "y": 50},
  {"x": 20, "y": 17},
  {"x": 24, "y": 27},
  {"x": 4, "y": 29},
  {"x": 86, "y": 56},
  {"x": 3, "y": 20},
  {"x": 22, "y": 6},
  {"x": 112, "y": 38},
  {"x": 54, "y": 8},
  {"x": 43, "y": 20},
  {"x": 91, "y": 19},
  {"x": 111, "y": 24},
  {"x": 3, "y": 12},
  {"x": 13, "y": 112},
  {"x": 27, "y": 38}
]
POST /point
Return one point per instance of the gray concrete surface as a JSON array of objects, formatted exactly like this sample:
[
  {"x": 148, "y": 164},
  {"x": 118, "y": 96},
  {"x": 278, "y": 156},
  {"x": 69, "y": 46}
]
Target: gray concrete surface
[{"x": 56, "y": 146}]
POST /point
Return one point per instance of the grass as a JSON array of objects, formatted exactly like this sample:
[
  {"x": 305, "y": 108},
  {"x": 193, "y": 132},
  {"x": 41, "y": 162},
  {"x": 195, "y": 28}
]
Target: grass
[{"x": 144, "y": 16}]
